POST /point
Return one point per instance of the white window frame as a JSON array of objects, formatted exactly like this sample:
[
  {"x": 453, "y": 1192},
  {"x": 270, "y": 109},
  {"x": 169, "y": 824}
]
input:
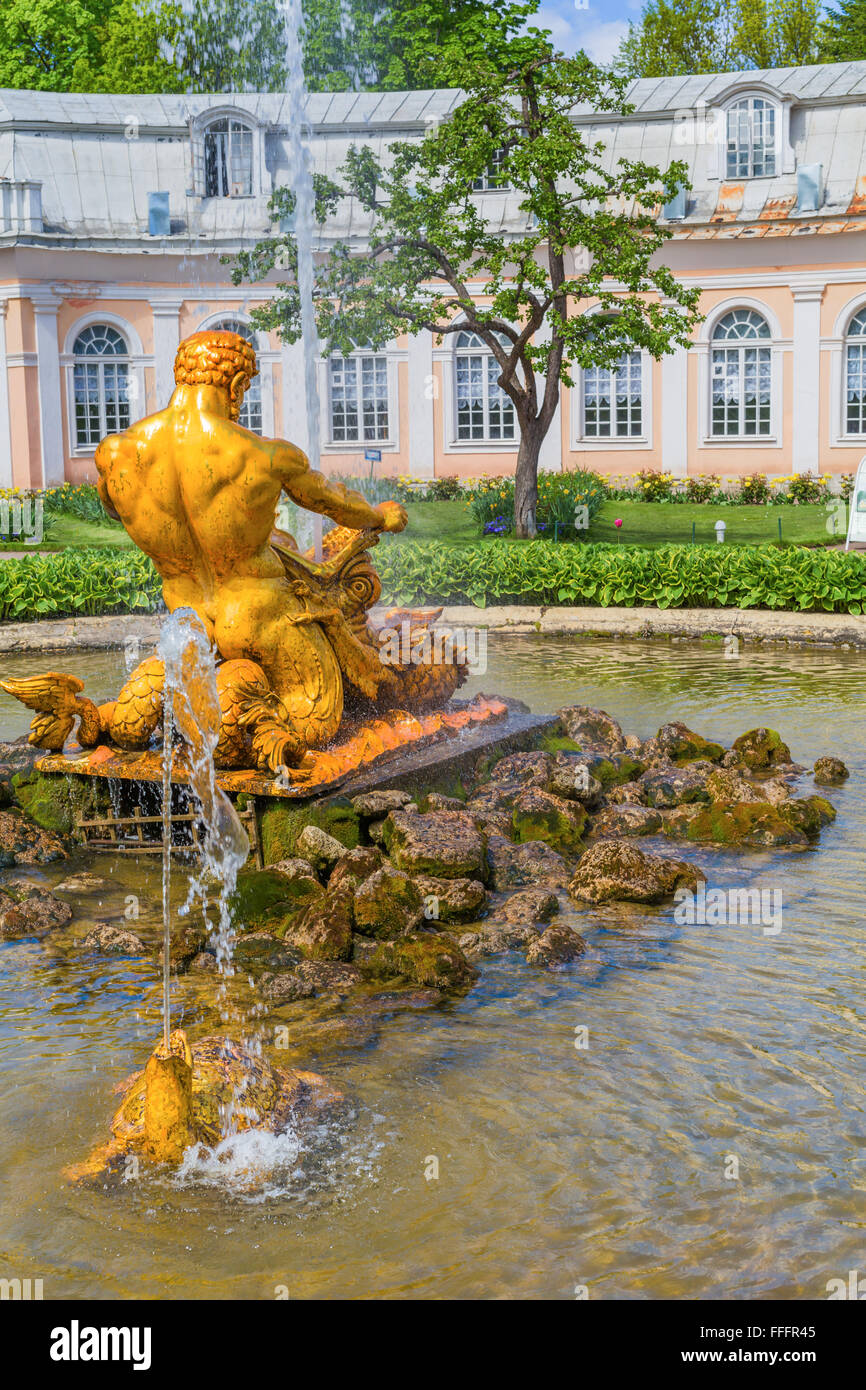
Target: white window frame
[
  {"x": 443, "y": 356},
  {"x": 852, "y": 436},
  {"x": 613, "y": 443},
  {"x": 490, "y": 180},
  {"x": 358, "y": 358},
  {"x": 703, "y": 350},
  {"x": 199, "y": 128},
  {"x": 486, "y": 442},
  {"x": 784, "y": 154},
  {"x": 393, "y": 357},
  {"x": 135, "y": 359}
]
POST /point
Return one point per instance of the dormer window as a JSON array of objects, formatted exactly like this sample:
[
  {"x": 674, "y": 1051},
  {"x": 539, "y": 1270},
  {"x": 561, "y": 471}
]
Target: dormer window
[
  {"x": 494, "y": 176},
  {"x": 228, "y": 159},
  {"x": 751, "y": 139}
]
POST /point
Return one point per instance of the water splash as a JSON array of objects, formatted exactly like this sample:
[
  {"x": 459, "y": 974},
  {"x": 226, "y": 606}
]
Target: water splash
[
  {"x": 191, "y": 709},
  {"x": 301, "y": 183}
]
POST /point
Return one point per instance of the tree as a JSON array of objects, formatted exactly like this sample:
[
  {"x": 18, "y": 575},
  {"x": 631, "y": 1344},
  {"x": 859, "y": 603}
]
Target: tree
[
  {"x": 430, "y": 239},
  {"x": 676, "y": 37},
  {"x": 843, "y": 35},
  {"x": 50, "y": 45}
]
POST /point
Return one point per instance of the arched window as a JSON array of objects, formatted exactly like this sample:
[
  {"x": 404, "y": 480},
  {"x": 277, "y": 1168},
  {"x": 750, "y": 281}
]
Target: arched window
[
  {"x": 100, "y": 382},
  {"x": 741, "y": 375},
  {"x": 855, "y": 375},
  {"x": 613, "y": 399},
  {"x": 483, "y": 409},
  {"x": 358, "y": 397},
  {"x": 228, "y": 159},
  {"x": 251, "y": 408},
  {"x": 751, "y": 139}
]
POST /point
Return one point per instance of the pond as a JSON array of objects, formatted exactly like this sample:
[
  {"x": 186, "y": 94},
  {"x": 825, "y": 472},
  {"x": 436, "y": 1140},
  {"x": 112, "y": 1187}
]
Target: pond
[{"x": 559, "y": 1167}]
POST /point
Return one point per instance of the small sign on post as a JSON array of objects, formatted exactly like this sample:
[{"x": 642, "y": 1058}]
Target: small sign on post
[
  {"x": 857, "y": 507},
  {"x": 373, "y": 455}
]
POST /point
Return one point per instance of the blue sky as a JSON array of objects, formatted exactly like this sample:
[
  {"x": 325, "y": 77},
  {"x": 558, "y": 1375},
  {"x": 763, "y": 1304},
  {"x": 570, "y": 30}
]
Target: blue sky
[{"x": 596, "y": 27}]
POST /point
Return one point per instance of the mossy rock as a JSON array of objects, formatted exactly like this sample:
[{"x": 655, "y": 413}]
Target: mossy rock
[
  {"x": 538, "y": 815},
  {"x": 387, "y": 904},
  {"x": 282, "y": 823},
  {"x": 760, "y": 748},
  {"x": 752, "y": 823},
  {"x": 680, "y": 744},
  {"x": 324, "y": 930},
  {"x": 54, "y": 801},
  {"x": 265, "y": 898},
  {"x": 432, "y": 960},
  {"x": 808, "y": 813}
]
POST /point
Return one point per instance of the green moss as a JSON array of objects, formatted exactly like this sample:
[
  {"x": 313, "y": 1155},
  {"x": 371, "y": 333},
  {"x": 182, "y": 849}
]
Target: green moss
[
  {"x": 564, "y": 833},
  {"x": 431, "y": 960},
  {"x": 55, "y": 801},
  {"x": 282, "y": 822},
  {"x": 808, "y": 813},
  {"x": 266, "y": 899},
  {"x": 744, "y": 823},
  {"x": 759, "y": 748},
  {"x": 558, "y": 743}
]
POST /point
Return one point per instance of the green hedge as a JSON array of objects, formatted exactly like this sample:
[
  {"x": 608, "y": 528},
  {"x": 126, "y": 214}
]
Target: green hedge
[
  {"x": 538, "y": 572},
  {"x": 78, "y": 582},
  {"x": 674, "y": 576}
]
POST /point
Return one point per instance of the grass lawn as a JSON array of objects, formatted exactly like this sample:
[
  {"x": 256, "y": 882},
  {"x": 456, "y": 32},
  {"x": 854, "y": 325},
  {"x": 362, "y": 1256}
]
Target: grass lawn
[
  {"x": 63, "y": 531},
  {"x": 648, "y": 524}
]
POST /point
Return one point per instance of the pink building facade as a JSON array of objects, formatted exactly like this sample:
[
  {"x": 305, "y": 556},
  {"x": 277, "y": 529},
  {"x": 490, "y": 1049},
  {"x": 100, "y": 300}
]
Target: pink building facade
[{"x": 115, "y": 213}]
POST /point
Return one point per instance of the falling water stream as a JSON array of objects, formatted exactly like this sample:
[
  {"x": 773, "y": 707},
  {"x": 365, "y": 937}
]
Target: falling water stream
[
  {"x": 301, "y": 181},
  {"x": 191, "y": 708}
]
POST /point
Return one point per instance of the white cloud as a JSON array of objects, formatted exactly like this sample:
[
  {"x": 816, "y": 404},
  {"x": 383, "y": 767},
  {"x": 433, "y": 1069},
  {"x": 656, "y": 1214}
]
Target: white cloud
[
  {"x": 574, "y": 28},
  {"x": 601, "y": 41}
]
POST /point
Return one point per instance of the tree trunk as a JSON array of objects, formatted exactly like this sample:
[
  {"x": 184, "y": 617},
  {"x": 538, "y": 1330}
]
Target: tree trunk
[{"x": 526, "y": 482}]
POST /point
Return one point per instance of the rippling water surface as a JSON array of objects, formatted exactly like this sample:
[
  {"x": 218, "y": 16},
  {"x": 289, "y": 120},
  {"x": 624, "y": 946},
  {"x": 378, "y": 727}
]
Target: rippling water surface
[{"x": 558, "y": 1167}]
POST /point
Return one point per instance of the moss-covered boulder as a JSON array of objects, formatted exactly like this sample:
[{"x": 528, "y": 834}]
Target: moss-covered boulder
[
  {"x": 673, "y": 785},
  {"x": 446, "y": 844},
  {"x": 728, "y": 785},
  {"x": 625, "y": 819},
  {"x": 808, "y": 813},
  {"x": 387, "y": 904},
  {"x": 49, "y": 800},
  {"x": 677, "y": 743},
  {"x": 427, "y": 959},
  {"x": 17, "y": 756},
  {"x": 356, "y": 865},
  {"x": 27, "y": 910},
  {"x": 555, "y": 947},
  {"x": 526, "y": 865},
  {"x": 324, "y": 930},
  {"x": 539, "y": 815},
  {"x": 273, "y": 899},
  {"x": 448, "y": 900},
  {"x": 282, "y": 822},
  {"x": 616, "y": 871},
  {"x": 592, "y": 728},
  {"x": 761, "y": 748},
  {"x": 830, "y": 771},
  {"x": 756, "y": 824}
]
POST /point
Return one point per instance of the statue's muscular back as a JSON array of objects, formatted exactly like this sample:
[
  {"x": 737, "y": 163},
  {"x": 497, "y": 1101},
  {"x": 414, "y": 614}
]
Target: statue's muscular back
[{"x": 198, "y": 494}]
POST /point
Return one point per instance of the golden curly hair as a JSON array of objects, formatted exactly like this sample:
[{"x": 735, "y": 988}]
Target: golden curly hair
[{"x": 213, "y": 358}]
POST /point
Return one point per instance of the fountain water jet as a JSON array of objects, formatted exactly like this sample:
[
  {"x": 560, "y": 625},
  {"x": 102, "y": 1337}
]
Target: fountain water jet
[{"x": 191, "y": 707}]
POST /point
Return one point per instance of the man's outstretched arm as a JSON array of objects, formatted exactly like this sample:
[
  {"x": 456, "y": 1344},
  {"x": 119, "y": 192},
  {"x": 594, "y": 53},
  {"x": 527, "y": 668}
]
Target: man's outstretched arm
[{"x": 314, "y": 492}]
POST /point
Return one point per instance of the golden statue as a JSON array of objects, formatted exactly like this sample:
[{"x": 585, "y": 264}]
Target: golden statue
[{"x": 294, "y": 642}]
